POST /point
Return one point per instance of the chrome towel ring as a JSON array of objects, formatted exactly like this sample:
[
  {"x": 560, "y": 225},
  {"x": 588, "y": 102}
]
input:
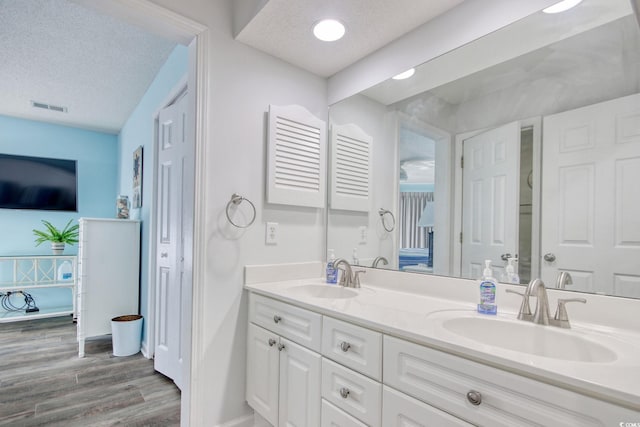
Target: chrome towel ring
[
  {"x": 236, "y": 199},
  {"x": 383, "y": 214}
]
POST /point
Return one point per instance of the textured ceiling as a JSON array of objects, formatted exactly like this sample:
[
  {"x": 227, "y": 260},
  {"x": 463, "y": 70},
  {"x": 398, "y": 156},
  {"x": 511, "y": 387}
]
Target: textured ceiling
[
  {"x": 283, "y": 28},
  {"x": 61, "y": 53}
]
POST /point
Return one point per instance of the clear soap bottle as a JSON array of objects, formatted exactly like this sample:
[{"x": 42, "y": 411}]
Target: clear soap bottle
[{"x": 488, "y": 284}]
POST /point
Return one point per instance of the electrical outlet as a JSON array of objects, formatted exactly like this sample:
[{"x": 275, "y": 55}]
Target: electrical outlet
[
  {"x": 362, "y": 232},
  {"x": 271, "y": 233}
]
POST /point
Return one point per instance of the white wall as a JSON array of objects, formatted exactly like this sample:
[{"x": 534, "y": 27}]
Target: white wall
[
  {"x": 343, "y": 226},
  {"x": 242, "y": 83}
]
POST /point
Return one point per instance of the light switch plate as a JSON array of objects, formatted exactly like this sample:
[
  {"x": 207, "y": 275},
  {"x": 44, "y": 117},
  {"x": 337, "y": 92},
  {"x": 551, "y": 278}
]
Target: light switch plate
[
  {"x": 362, "y": 233},
  {"x": 271, "y": 233}
]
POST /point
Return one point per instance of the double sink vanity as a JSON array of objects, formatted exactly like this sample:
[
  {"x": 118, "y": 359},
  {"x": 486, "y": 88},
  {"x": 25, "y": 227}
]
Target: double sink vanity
[{"x": 408, "y": 349}]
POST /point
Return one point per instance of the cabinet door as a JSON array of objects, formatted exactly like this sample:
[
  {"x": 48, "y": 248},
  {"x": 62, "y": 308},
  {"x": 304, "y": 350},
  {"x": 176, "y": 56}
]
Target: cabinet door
[
  {"x": 334, "y": 417},
  {"x": 263, "y": 372},
  {"x": 299, "y": 386}
]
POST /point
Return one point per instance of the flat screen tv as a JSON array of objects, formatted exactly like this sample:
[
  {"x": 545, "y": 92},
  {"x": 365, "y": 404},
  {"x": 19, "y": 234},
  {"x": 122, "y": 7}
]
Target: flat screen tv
[{"x": 38, "y": 183}]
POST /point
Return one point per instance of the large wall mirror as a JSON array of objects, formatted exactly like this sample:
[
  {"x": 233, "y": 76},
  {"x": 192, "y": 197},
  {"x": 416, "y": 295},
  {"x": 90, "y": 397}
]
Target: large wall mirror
[{"x": 522, "y": 145}]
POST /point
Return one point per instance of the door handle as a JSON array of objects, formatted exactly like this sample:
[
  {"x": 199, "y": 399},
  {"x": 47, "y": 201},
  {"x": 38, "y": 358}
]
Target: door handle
[
  {"x": 549, "y": 257},
  {"x": 164, "y": 255},
  {"x": 505, "y": 257}
]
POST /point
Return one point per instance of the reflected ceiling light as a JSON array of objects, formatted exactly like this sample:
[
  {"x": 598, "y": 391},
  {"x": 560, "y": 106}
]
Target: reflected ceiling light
[
  {"x": 404, "y": 75},
  {"x": 329, "y": 30},
  {"x": 562, "y": 6}
]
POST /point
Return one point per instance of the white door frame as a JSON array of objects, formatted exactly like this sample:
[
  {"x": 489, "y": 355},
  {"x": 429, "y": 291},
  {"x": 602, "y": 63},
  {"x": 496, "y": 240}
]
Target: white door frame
[
  {"x": 158, "y": 20},
  {"x": 442, "y": 238},
  {"x": 536, "y": 123}
]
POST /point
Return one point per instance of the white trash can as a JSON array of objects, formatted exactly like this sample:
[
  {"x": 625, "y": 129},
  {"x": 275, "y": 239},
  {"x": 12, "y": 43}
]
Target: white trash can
[{"x": 126, "y": 334}]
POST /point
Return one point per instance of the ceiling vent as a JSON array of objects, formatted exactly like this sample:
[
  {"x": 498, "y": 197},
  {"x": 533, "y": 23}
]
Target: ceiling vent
[{"x": 44, "y": 106}]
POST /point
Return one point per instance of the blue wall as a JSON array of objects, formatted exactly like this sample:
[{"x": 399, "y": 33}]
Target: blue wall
[
  {"x": 139, "y": 130},
  {"x": 97, "y": 156}
]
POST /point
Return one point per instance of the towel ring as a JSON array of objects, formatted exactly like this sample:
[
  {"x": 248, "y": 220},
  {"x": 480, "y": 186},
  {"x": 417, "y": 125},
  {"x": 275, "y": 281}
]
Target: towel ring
[
  {"x": 236, "y": 199},
  {"x": 383, "y": 212}
]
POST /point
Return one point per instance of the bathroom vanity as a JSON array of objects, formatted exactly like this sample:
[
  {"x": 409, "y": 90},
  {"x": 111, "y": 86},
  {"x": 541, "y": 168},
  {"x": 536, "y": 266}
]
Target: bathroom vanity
[{"x": 323, "y": 355}]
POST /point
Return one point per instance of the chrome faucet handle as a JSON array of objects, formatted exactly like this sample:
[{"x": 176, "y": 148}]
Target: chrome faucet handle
[
  {"x": 356, "y": 278},
  {"x": 525, "y": 310},
  {"x": 561, "y": 318}
]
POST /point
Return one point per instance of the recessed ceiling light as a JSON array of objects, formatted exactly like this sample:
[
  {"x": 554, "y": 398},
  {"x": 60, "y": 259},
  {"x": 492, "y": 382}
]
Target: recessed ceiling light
[
  {"x": 404, "y": 75},
  {"x": 329, "y": 30},
  {"x": 562, "y": 6}
]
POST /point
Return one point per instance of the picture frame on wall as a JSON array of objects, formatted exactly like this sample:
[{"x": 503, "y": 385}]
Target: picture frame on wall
[{"x": 137, "y": 178}]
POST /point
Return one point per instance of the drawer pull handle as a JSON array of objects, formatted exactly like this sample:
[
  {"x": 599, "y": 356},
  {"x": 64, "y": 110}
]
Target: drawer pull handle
[
  {"x": 272, "y": 342},
  {"x": 345, "y": 346},
  {"x": 280, "y": 347},
  {"x": 277, "y": 318},
  {"x": 344, "y": 392},
  {"x": 474, "y": 397}
]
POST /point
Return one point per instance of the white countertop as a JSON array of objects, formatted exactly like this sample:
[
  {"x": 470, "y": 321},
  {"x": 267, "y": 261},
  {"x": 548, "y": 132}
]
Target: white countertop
[{"x": 418, "y": 318}]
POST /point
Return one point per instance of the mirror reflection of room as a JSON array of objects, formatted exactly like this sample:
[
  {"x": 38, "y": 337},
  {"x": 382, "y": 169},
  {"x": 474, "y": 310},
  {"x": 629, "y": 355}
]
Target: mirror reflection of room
[{"x": 536, "y": 149}]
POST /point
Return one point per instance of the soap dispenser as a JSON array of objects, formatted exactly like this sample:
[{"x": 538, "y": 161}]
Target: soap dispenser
[
  {"x": 332, "y": 271},
  {"x": 488, "y": 284},
  {"x": 355, "y": 260},
  {"x": 510, "y": 275}
]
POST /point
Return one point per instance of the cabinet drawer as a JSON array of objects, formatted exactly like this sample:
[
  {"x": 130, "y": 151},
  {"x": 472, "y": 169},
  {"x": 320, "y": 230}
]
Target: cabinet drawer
[
  {"x": 299, "y": 325},
  {"x": 334, "y": 417},
  {"x": 352, "y": 392},
  {"x": 398, "y": 409},
  {"x": 358, "y": 348},
  {"x": 507, "y": 399}
]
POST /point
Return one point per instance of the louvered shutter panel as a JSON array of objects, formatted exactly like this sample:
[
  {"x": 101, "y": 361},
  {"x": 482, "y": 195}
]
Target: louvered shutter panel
[
  {"x": 297, "y": 157},
  {"x": 350, "y": 168}
]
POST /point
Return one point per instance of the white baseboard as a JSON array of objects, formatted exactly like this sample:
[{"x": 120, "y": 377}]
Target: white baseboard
[
  {"x": 145, "y": 350},
  {"x": 244, "y": 421}
]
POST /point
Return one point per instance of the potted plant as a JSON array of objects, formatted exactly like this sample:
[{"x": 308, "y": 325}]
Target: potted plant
[{"x": 58, "y": 238}]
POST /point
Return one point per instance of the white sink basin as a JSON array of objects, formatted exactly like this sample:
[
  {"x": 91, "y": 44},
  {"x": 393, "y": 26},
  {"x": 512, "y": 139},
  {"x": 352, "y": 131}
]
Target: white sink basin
[
  {"x": 526, "y": 337},
  {"x": 322, "y": 291}
]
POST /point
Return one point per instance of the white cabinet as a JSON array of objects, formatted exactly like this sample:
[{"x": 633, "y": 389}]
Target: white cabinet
[
  {"x": 108, "y": 274},
  {"x": 487, "y": 396},
  {"x": 283, "y": 378},
  {"x": 334, "y": 417}
]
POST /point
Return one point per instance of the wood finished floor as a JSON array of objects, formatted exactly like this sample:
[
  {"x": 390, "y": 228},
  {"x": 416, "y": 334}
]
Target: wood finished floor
[{"x": 44, "y": 383}]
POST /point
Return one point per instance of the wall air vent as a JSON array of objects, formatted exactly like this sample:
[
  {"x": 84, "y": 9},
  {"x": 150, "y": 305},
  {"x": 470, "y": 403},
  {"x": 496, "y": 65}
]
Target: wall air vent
[{"x": 44, "y": 106}]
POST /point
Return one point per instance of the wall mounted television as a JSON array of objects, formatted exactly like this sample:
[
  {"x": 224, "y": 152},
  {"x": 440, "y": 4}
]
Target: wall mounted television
[{"x": 38, "y": 183}]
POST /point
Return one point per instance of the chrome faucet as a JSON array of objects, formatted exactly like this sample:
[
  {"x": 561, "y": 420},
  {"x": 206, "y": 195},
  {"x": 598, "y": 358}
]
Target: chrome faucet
[
  {"x": 349, "y": 278},
  {"x": 564, "y": 278},
  {"x": 540, "y": 315},
  {"x": 377, "y": 261}
]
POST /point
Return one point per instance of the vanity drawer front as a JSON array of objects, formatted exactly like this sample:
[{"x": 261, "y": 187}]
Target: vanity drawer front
[
  {"x": 398, "y": 409},
  {"x": 507, "y": 399},
  {"x": 355, "y": 347},
  {"x": 353, "y": 393},
  {"x": 334, "y": 417},
  {"x": 297, "y": 324}
]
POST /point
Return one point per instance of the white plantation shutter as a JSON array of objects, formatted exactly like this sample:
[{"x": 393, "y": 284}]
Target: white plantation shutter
[
  {"x": 297, "y": 157},
  {"x": 350, "y": 168}
]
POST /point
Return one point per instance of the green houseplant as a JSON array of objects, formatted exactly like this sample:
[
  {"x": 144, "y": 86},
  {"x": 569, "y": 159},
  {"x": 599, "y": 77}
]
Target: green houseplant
[{"x": 58, "y": 238}]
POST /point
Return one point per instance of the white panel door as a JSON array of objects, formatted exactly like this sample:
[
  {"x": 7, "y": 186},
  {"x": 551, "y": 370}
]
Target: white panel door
[
  {"x": 490, "y": 199},
  {"x": 171, "y": 283},
  {"x": 263, "y": 372},
  {"x": 300, "y": 373},
  {"x": 591, "y": 197}
]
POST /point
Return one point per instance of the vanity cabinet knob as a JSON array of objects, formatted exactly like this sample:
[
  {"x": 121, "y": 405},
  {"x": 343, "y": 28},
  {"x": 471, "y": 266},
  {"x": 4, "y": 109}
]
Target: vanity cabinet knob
[
  {"x": 345, "y": 346},
  {"x": 474, "y": 397},
  {"x": 280, "y": 347},
  {"x": 272, "y": 342},
  {"x": 344, "y": 392},
  {"x": 277, "y": 318}
]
